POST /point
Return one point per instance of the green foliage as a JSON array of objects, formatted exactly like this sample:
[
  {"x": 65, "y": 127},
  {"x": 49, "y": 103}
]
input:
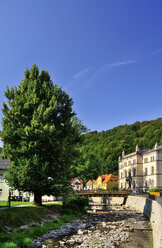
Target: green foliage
[
  {"x": 156, "y": 190},
  {"x": 100, "y": 150},
  {"x": 75, "y": 204},
  {"x": 25, "y": 243},
  {"x": 9, "y": 245},
  {"x": 115, "y": 187},
  {"x": 40, "y": 135}
]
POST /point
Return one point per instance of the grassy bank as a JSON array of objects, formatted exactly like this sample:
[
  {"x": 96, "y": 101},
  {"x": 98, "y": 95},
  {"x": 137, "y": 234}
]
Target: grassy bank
[
  {"x": 11, "y": 219},
  {"x": 13, "y": 203}
]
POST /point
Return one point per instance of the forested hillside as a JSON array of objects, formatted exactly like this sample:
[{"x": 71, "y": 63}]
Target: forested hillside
[{"x": 100, "y": 150}]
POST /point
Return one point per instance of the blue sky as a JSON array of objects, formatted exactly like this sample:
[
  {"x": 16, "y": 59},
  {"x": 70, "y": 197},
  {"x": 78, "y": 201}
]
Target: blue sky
[{"x": 106, "y": 54}]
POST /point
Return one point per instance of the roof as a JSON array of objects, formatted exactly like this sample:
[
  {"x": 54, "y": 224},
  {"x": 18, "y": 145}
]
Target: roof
[
  {"x": 73, "y": 179},
  {"x": 4, "y": 164},
  {"x": 89, "y": 183},
  {"x": 108, "y": 177}
]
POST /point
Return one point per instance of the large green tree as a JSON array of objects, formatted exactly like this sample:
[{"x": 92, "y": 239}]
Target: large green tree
[{"x": 40, "y": 135}]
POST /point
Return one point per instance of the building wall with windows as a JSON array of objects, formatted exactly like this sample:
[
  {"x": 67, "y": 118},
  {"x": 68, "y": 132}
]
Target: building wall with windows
[{"x": 141, "y": 169}]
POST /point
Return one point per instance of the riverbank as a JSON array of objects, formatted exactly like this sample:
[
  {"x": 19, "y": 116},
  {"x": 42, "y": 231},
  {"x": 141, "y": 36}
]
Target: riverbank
[
  {"x": 24, "y": 224},
  {"x": 118, "y": 227}
]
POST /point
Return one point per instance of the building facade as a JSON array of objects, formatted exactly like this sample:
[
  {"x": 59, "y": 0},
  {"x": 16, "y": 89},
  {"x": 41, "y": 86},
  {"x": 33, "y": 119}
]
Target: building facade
[
  {"x": 105, "y": 182},
  {"x": 141, "y": 169},
  {"x": 76, "y": 184},
  {"x": 4, "y": 188}
]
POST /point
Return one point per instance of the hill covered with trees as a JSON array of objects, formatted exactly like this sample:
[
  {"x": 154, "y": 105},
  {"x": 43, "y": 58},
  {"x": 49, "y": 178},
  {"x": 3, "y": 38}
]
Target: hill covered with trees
[{"x": 100, "y": 150}]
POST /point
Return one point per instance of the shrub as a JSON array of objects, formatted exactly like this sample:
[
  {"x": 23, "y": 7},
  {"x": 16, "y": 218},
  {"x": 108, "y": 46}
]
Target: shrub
[
  {"x": 156, "y": 190},
  {"x": 75, "y": 204},
  {"x": 9, "y": 245},
  {"x": 115, "y": 187},
  {"x": 26, "y": 243}
]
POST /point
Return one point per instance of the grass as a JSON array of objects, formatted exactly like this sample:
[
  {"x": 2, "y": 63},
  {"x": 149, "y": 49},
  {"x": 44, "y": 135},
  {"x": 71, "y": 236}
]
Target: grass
[
  {"x": 19, "y": 203},
  {"x": 13, "y": 203},
  {"x": 16, "y": 217}
]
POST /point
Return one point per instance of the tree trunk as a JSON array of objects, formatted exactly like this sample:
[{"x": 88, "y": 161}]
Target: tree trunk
[{"x": 37, "y": 199}]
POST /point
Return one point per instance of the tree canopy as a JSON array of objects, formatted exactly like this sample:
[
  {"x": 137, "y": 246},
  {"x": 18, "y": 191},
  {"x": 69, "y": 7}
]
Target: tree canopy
[
  {"x": 40, "y": 135},
  {"x": 100, "y": 150}
]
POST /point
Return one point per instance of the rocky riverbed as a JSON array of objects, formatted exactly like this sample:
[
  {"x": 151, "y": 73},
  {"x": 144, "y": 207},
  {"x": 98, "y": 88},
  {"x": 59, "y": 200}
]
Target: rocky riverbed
[{"x": 118, "y": 227}]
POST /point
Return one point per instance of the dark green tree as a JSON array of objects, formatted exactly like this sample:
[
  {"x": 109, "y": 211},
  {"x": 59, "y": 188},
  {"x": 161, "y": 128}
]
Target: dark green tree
[{"x": 40, "y": 135}]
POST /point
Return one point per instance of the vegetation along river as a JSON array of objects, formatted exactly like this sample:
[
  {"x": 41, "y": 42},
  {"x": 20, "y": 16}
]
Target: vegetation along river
[{"x": 119, "y": 226}]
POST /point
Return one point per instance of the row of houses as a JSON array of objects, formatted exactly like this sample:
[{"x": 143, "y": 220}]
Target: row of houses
[{"x": 103, "y": 182}]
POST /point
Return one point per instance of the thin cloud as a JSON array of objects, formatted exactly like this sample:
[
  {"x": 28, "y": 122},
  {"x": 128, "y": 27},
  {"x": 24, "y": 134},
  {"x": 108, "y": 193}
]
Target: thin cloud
[
  {"x": 104, "y": 69},
  {"x": 82, "y": 73},
  {"x": 127, "y": 62},
  {"x": 156, "y": 52}
]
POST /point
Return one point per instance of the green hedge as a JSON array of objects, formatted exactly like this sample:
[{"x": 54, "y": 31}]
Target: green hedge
[
  {"x": 156, "y": 190},
  {"x": 75, "y": 204}
]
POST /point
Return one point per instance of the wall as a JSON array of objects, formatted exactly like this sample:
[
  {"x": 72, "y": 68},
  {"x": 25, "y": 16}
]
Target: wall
[
  {"x": 153, "y": 210},
  {"x": 107, "y": 200}
]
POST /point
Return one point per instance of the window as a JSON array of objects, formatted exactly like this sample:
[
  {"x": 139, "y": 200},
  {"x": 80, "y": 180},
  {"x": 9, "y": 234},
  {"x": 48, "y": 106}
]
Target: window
[
  {"x": 146, "y": 184},
  {"x": 134, "y": 161},
  {"x": 129, "y": 173},
  {"x": 145, "y": 171},
  {"x": 134, "y": 172},
  {"x": 1, "y": 177},
  {"x": 0, "y": 192},
  {"x": 125, "y": 173},
  {"x": 129, "y": 162},
  {"x": 125, "y": 163},
  {"x": 152, "y": 170},
  {"x": 115, "y": 180},
  {"x": 111, "y": 180},
  {"x": 121, "y": 185},
  {"x": 134, "y": 184},
  {"x": 152, "y": 158}
]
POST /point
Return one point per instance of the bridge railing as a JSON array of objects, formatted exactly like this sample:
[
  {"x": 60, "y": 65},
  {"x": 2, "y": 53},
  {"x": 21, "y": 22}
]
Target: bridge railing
[{"x": 101, "y": 191}]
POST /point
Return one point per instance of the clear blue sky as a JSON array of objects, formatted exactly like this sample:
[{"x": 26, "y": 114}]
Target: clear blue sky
[{"x": 106, "y": 54}]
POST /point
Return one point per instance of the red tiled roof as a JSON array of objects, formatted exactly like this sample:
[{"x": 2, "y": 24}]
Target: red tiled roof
[
  {"x": 108, "y": 178},
  {"x": 73, "y": 179}
]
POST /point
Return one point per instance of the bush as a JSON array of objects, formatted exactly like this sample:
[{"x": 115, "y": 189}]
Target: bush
[
  {"x": 156, "y": 190},
  {"x": 26, "y": 243},
  {"x": 9, "y": 245},
  {"x": 115, "y": 187},
  {"x": 75, "y": 204}
]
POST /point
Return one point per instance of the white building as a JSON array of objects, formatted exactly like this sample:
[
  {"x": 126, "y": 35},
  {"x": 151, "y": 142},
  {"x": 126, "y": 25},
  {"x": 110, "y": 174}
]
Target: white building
[{"x": 141, "y": 169}]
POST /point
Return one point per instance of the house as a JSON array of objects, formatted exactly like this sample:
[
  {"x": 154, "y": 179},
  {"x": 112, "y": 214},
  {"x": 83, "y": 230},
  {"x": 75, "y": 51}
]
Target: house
[
  {"x": 76, "y": 184},
  {"x": 89, "y": 185},
  {"x": 105, "y": 181},
  {"x": 4, "y": 188},
  {"x": 141, "y": 169}
]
